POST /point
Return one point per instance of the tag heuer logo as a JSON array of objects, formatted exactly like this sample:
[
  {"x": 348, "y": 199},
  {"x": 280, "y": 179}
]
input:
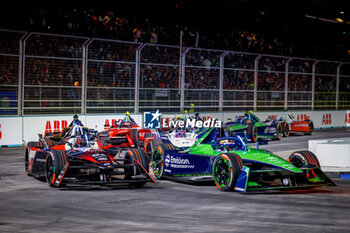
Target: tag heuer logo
[{"x": 151, "y": 120}]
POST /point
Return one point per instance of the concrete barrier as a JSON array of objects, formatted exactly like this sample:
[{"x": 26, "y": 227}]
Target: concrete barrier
[{"x": 332, "y": 153}]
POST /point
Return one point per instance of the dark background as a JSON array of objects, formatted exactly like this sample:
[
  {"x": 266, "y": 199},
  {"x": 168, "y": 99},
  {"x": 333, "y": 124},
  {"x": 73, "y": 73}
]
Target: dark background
[{"x": 279, "y": 24}]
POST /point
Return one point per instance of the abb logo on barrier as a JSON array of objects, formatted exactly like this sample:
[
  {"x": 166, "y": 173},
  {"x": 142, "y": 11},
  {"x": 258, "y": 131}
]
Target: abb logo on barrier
[
  {"x": 327, "y": 119},
  {"x": 302, "y": 117},
  {"x": 347, "y": 118},
  {"x": 57, "y": 126},
  {"x": 107, "y": 125}
]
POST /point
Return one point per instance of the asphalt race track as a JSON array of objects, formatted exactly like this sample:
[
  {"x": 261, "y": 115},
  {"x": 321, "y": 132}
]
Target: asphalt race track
[{"x": 30, "y": 205}]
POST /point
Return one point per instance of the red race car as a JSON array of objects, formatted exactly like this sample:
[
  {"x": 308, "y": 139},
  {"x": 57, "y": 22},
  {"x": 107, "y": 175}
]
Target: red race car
[
  {"x": 125, "y": 133},
  {"x": 290, "y": 125}
]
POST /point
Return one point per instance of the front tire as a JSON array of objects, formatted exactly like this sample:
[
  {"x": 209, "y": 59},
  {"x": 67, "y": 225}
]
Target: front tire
[
  {"x": 54, "y": 166},
  {"x": 158, "y": 159},
  {"x": 226, "y": 169},
  {"x": 302, "y": 159}
]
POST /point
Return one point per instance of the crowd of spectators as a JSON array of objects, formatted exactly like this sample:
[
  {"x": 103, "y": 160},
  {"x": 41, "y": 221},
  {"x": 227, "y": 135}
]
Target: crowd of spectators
[
  {"x": 112, "y": 64},
  {"x": 117, "y": 25}
]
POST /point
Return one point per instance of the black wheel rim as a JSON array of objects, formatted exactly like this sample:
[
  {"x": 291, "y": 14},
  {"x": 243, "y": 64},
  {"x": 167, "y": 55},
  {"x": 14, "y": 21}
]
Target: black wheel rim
[
  {"x": 222, "y": 173},
  {"x": 157, "y": 164},
  {"x": 286, "y": 130},
  {"x": 50, "y": 169}
]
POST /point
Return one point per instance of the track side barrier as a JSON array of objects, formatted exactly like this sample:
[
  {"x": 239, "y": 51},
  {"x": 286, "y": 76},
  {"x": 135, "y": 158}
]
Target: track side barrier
[{"x": 16, "y": 131}]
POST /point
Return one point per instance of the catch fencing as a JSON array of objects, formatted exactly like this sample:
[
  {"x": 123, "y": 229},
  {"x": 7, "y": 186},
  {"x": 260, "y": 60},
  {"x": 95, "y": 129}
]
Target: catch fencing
[{"x": 58, "y": 74}]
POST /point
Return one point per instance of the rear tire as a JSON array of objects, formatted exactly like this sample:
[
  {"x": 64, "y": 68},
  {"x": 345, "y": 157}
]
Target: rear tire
[
  {"x": 285, "y": 128},
  {"x": 226, "y": 169},
  {"x": 311, "y": 126},
  {"x": 26, "y": 160},
  {"x": 26, "y": 156},
  {"x": 252, "y": 133},
  {"x": 302, "y": 159},
  {"x": 279, "y": 130},
  {"x": 35, "y": 144}
]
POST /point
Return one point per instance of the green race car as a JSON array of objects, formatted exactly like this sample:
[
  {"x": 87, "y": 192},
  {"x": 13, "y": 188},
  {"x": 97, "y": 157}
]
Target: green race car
[
  {"x": 235, "y": 166},
  {"x": 252, "y": 129}
]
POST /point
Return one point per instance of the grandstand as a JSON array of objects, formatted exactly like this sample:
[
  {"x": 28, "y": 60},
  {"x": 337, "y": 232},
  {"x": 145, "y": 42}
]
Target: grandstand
[{"x": 106, "y": 61}]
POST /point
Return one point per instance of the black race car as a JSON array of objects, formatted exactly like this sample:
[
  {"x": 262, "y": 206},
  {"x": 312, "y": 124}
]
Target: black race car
[{"x": 80, "y": 159}]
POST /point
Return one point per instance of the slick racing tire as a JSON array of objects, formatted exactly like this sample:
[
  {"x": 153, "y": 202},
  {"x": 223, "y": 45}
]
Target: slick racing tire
[
  {"x": 26, "y": 157},
  {"x": 55, "y": 164},
  {"x": 151, "y": 146},
  {"x": 279, "y": 130},
  {"x": 302, "y": 159},
  {"x": 311, "y": 126},
  {"x": 134, "y": 135},
  {"x": 140, "y": 156},
  {"x": 26, "y": 160},
  {"x": 252, "y": 132},
  {"x": 226, "y": 169},
  {"x": 158, "y": 159},
  {"x": 285, "y": 129}
]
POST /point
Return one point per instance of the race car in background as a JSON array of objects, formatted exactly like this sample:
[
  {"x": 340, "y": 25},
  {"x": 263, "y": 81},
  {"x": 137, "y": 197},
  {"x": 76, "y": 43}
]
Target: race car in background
[
  {"x": 82, "y": 158},
  {"x": 250, "y": 128},
  {"x": 234, "y": 166},
  {"x": 175, "y": 137},
  {"x": 290, "y": 125},
  {"x": 125, "y": 133},
  {"x": 52, "y": 138}
]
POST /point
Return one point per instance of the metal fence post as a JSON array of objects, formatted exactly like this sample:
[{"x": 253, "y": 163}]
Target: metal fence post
[
  {"x": 137, "y": 78},
  {"x": 286, "y": 70},
  {"x": 84, "y": 76},
  {"x": 337, "y": 86},
  {"x": 313, "y": 85},
  {"x": 256, "y": 68},
  {"x": 221, "y": 80},
  {"x": 23, "y": 70},
  {"x": 182, "y": 81},
  {"x": 21, "y": 51}
]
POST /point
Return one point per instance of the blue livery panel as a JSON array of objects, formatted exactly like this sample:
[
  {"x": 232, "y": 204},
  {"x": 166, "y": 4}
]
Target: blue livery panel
[{"x": 184, "y": 163}]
